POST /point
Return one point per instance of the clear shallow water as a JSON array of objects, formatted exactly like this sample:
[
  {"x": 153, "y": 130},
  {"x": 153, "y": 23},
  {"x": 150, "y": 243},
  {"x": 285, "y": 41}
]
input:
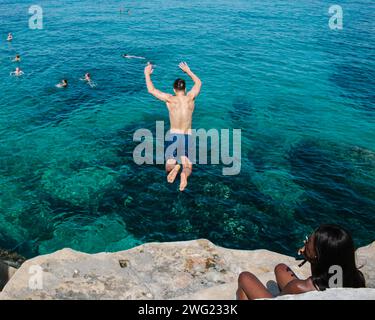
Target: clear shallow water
[{"x": 302, "y": 94}]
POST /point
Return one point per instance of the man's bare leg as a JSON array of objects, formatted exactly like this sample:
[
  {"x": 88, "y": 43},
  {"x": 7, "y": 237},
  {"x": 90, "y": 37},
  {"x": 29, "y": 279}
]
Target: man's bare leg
[
  {"x": 172, "y": 169},
  {"x": 185, "y": 173}
]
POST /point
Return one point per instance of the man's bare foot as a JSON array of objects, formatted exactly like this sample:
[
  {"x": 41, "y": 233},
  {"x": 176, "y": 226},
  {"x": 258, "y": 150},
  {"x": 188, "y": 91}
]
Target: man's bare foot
[
  {"x": 173, "y": 174},
  {"x": 183, "y": 182}
]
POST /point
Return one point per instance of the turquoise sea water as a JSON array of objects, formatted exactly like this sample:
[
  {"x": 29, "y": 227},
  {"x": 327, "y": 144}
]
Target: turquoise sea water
[{"x": 302, "y": 94}]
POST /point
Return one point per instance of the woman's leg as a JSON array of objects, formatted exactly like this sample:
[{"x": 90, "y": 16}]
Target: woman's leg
[
  {"x": 250, "y": 288},
  {"x": 284, "y": 275}
]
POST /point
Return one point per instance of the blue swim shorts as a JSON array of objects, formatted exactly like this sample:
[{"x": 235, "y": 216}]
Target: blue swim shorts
[{"x": 180, "y": 145}]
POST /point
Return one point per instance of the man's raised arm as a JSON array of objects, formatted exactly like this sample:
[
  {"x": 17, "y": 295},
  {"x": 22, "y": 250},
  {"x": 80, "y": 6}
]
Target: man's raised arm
[
  {"x": 194, "y": 92},
  {"x": 150, "y": 86}
]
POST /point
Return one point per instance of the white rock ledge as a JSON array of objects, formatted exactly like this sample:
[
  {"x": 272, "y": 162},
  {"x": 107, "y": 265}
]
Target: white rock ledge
[
  {"x": 179, "y": 270},
  {"x": 333, "y": 294}
]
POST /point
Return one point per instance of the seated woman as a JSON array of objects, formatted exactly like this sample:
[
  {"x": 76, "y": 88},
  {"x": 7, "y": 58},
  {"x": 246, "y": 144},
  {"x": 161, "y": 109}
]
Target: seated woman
[{"x": 328, "y": 246}]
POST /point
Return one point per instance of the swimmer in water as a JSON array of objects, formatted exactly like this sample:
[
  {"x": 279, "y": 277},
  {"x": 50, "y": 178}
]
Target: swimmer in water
[
  {"x": 87, "y": 77},
  {"x": 89, "y": 81},
  {"x": 18, "y": 72},
  {"x": 10, "y": 37},
  {"x": 62, "y": 84},
  {"x": 17, "y": 58},
  {"x": 127, "y": 56}
]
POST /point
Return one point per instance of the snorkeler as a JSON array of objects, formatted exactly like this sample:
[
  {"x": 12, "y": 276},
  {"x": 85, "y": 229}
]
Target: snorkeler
[
  {"x": 132, "y": 57},
  {"x": 17, "y": 58},
  {"x": 181, "y": 107},
  {"x": 10, "y": 37},
  {"x": 62, "y": 84},
  {"x": 18, "y": 72}
]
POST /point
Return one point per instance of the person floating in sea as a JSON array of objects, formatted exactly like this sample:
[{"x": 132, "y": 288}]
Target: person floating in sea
[
  {"x": 128, "y": 56},
  {"x": 10, "y": 37},
  {"x": 62, "y": 84},
  {"x": 181, "y": 108},
  {"x": 17, "y": 58},
  {"x": 17, "y": 73},
  {"x": 88, "y": 79},
  {"x": 328, "y": 246}
]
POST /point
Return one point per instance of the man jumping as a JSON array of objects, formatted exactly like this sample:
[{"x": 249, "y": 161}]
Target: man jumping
[{"x": 180, "y": 107}]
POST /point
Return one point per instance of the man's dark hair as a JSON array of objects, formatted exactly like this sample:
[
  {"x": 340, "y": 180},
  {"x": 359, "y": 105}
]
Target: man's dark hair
[{"x": 179, "y": 85}]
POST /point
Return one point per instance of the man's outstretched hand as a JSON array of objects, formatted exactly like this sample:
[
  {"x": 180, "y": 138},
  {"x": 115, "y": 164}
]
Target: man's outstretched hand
[
  {"x": 197, "y": 82},
  {"x": 184, "y": 67},
  {"x": 149, "y": 69}
]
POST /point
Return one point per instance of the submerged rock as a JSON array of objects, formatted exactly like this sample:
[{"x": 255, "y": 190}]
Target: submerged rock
[
  {"x": 106, "y": 233},
  {"x": 81, "y": 186},
  {"x": 279, "y": 186},
  {"x": 338, "y": 180},
  {"x": 181, "y": 270}
]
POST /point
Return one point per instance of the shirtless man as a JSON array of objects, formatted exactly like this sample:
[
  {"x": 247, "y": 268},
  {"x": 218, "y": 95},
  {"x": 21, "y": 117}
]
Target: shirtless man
[
  {"x": 17, "y": 73},
  {"x": 180, "y": 107}
]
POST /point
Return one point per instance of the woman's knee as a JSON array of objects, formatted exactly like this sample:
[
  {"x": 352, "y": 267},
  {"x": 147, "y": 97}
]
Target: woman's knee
[
  {"x": 245, "y": 276},
  {"x": 281, "y": 267}
]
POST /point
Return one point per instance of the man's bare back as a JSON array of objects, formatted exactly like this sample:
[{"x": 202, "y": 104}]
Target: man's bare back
[{"x": 181, "y": 108}]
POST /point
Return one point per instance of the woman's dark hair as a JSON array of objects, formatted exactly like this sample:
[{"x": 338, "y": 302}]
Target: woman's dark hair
[
  {"x": 179, "y": 85},
  {"x": 334, "y": 246}
]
